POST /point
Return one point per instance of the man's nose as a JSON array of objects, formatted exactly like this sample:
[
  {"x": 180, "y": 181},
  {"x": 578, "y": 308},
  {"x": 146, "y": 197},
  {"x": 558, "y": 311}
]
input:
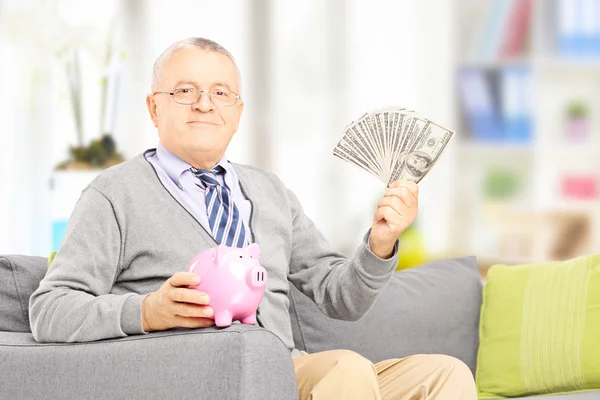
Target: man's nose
[{"x": 204, "y": 103}]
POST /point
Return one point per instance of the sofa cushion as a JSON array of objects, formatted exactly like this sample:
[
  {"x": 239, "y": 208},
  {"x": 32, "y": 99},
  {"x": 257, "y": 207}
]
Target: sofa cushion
[
  {"x": 433, "y": 308},
  {"x": 540, "y": 325},
  {"x": 20, "y": 276}
]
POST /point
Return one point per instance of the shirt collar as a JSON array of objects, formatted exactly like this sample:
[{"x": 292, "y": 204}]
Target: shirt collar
[{"x": 175, "y": 167}]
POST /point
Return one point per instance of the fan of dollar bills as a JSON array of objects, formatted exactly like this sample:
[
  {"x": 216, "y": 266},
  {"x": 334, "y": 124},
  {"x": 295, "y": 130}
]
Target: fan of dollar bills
[{"x": 393, "y": 144}]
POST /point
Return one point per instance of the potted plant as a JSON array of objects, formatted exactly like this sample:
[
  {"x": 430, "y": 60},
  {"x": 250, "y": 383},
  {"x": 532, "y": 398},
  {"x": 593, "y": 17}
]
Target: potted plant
[
  {"x": 100, "y": 154},
  {"x": 577, "y": 121}
]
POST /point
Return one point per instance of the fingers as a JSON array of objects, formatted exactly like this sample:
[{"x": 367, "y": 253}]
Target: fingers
[
  {"x": 175, "y": 305},
  {"x": 188, "y": 296},
  {"x": 184, "y": 279},
  {"x": 404, "y": 194},
  {"x": 410, "y": 185},
  {"x": 191, "y": 310},
  {"x": 186, "y": 322},
  {"x": 389, "y": 214},
  {"x": 395, "y": 203}
]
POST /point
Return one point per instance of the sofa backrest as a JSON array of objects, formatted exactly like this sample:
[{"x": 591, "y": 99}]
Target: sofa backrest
[
  {"x": 19, "y": 278},
  {"x": 430, "y": 309}
]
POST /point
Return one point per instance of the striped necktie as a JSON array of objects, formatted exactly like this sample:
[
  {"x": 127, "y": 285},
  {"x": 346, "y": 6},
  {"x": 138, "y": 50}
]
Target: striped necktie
[{"x": 224, "y": 218}]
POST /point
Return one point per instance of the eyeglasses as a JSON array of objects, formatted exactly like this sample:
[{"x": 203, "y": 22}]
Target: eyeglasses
[{"x": 221, "y": 98}]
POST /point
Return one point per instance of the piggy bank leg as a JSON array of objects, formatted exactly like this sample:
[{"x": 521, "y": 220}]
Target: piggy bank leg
[
  {"x": 223, "y": 318},
  {"x": 250, "y": 319}
]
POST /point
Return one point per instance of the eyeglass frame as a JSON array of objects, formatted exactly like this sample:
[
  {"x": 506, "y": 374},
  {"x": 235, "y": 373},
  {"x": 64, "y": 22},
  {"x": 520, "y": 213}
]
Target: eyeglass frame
[{"x": 199, "y": 92}]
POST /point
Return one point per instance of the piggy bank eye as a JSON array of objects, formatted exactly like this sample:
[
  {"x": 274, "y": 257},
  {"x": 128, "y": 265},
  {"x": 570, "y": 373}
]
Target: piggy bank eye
[{"x": 241, "y": 256}]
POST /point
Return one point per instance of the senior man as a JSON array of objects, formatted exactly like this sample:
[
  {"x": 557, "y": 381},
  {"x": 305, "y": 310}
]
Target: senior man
[{"x": 138, "y": 224}]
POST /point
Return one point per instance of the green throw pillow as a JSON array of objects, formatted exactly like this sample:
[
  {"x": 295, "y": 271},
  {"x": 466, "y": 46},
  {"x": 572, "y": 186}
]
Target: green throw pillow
[{"x": 540, "y": 329}]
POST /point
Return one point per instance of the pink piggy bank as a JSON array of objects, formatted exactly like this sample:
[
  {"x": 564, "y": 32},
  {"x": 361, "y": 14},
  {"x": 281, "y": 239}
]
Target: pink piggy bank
[{"x": 233, "y": 279}]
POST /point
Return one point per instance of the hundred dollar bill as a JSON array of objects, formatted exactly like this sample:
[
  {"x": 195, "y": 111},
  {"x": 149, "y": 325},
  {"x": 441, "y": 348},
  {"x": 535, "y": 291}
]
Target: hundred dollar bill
[
  {"x": 353, "y": 148},
  {"x": 379, "y": 125},
  {"x": 409, "y": 128},
  {"x": 393, "y": 143},
  {"x": 350, "y": 156},
  {"x": 385, "y": 121},
  {"x": 397, "y": 136},
  {"x": 353, "y": 134},
  {"x": 368, "y": 128},
  {"x": 424, "y": 152}
]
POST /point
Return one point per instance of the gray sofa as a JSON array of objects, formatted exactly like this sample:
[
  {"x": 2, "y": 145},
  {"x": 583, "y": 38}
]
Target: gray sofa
[{"x": 430, "y": 309}]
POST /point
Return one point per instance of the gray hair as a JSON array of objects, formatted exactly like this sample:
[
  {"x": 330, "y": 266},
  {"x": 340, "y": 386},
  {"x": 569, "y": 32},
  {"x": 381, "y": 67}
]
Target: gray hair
[{"x": 190, "y": 43}]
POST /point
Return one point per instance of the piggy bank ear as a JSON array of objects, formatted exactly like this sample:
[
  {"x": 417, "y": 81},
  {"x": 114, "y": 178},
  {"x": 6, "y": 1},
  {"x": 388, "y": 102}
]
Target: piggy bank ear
[
  {"x": 219, "y": 253},
  {"x": 254, "y": 251}
]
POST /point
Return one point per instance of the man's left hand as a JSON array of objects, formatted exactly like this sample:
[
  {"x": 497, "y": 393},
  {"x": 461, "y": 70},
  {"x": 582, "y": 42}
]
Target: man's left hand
[{"x": 395, "y": 212}]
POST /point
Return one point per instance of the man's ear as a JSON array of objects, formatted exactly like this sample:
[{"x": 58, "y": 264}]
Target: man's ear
[
  {"x": 240, "y": 110},
  {"x": 151, "y": 104}
]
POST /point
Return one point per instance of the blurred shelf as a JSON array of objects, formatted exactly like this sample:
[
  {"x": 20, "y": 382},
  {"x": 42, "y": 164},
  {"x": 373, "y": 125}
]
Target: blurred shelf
[
  {"x": 496, "y": 148},
  {"x": 547, "y": 163},
  {"x": 515, "y": 149},
  {"x": 542, "y": 64},
  {"x": 584, "y": 205},
  {"x": 556, "y": 63},
  {"x": 567, "y": 149},
  {"x": 491, "y": 64},
  {"x": 537, "y": 62},
  {"x": 551, "y": 68}
]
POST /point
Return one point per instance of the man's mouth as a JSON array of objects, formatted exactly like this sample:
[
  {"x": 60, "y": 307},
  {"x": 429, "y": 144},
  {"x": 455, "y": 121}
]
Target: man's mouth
[{"x": 202, "y": 123}]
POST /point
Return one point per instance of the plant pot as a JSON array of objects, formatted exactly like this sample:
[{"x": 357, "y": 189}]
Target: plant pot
[{"x": 577, "y": 129}]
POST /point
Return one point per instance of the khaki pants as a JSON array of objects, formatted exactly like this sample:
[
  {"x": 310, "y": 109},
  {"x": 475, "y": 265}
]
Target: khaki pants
[{"x": 344, "y": 374}]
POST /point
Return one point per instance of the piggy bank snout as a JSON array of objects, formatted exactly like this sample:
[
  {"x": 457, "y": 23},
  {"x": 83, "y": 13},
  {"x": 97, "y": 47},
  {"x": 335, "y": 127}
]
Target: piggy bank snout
[{"x": 257, "y": 276}]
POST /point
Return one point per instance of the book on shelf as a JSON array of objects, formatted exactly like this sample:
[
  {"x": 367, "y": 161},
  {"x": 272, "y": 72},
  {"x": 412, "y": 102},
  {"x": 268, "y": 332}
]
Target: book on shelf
[
  {"x": 579, "y": 187},
  {"x": 478, "y": 105},
  {"x": 577, "y": 28},
  {"x": 504, "y": 31},
  {"x": 503, "y": 34},
  {"x": 495, "y": 104},
  {"x": 516, "y": 110},
  {"x": 516, "y": 30}
]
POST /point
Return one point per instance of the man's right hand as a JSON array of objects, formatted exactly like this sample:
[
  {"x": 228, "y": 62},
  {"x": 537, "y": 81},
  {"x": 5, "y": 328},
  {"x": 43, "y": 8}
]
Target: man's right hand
[{"x": 174, "y": 305}]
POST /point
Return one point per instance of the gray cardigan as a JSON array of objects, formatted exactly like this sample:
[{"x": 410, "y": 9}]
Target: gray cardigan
[{"x": 127, "y": 235}]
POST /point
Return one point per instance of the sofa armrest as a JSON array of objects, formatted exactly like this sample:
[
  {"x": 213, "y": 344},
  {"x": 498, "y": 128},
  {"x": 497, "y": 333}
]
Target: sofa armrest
[{"x": 239, "y": 362}]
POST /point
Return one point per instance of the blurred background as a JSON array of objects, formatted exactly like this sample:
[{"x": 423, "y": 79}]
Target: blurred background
[{"x": 516, "y": 79}]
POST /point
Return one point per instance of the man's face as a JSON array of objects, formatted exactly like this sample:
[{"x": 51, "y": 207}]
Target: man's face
[
  {"x": 191, "y": 131},
  {"x": 418, "y": 162}
]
